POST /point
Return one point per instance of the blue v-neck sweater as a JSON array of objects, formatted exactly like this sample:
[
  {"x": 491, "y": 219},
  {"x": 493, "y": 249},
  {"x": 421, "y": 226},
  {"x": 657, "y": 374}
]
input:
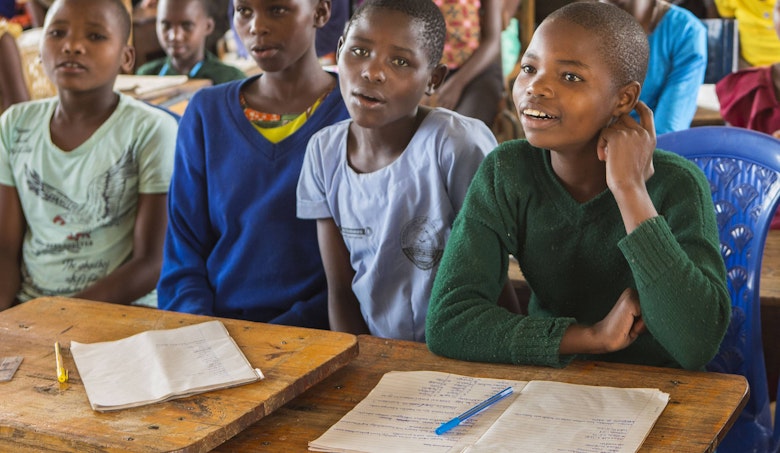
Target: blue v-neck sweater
[{"x": 234, "y": 246}]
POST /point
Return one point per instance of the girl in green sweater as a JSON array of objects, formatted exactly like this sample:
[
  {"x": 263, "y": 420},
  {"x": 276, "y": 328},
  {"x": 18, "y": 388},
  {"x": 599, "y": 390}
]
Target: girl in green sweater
[{"x": 618, "y": 241}]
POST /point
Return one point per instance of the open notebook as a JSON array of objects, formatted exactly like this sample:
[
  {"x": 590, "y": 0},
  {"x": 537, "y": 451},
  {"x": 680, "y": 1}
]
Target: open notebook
[
  {"x": 403, "y": 411},
  {"x": 158, "y": 365}
]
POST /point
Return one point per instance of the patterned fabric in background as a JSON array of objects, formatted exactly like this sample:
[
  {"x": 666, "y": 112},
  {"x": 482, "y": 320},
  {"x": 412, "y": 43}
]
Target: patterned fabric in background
[
  {"x": 463, "y": 30},
  {"x": 29, "y": 47}
]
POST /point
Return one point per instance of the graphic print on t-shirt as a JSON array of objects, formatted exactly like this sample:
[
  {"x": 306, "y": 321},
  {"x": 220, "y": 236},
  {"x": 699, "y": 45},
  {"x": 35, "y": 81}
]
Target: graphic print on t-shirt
[{"x": 103, "y": 206}]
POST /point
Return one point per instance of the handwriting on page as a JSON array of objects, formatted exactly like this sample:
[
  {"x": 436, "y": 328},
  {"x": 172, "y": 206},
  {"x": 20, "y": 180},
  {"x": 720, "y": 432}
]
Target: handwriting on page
[
  {"x": 403, "y": 415},
  {"x": 581, "y": 419},
  {"x": 198, "y": 355}
]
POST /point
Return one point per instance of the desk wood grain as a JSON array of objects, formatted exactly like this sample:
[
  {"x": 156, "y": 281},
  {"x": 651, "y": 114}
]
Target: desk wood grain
[
  {"x": 702, "y": 406},
  {"x": 38, "y": 414}
]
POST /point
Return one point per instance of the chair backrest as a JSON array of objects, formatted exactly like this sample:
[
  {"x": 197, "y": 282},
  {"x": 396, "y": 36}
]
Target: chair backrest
[
  {"x": 722, "y": 48},
  {"x": 743, "y": 168}
]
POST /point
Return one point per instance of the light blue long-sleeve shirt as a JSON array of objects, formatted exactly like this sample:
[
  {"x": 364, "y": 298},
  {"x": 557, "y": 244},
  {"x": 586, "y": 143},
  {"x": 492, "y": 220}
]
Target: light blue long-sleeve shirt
[{"x": 678, "y": 60}]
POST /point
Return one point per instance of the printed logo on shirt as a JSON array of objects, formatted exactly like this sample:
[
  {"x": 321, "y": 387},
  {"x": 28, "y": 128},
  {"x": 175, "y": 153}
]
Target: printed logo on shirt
[
  {"x": 20, "y": 145},
  {"x": 422, "y": 243}
]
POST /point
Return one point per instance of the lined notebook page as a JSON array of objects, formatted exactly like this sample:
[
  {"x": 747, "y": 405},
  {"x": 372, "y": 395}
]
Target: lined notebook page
[
  {"x": 404, "y": 409},
  {"x": 554, "y": 416}
]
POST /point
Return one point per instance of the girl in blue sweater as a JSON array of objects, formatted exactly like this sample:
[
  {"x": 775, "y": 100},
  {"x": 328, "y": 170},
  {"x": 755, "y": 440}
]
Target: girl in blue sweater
[{"x": 234, "y": 246}]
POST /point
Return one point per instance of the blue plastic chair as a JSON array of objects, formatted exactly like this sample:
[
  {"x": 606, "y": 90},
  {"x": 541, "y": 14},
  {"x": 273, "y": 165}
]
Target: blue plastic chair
[{"x": 743, "y": 168}]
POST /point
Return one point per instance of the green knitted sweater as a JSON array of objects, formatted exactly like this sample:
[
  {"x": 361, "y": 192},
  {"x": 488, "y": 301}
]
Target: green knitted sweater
[{"x": 577, "y": 260}]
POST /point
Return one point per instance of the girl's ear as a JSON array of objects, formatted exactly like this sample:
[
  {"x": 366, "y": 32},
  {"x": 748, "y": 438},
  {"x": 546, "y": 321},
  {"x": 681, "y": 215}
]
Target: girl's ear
[
  {"x": 338, "y": 48},
  {"x": 209, "y": 26},
  {"x": 321, "y": 13},
  {"x": 628, "y": 96},
  {"x": 128, "y": 60},
  {"x": 438, "y": 74}
]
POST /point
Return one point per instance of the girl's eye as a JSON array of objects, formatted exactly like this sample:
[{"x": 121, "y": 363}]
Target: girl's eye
[
  {"x": 528, "y": 69},
  {"x": 278, "y": 10},
  {"x": 359, "y": 51},
  {"x": 243, "y": 12},
  {"x": 400, "y": 61},
  {"x": 96, "y": 37},
  {"x": 569, "y": 77}
]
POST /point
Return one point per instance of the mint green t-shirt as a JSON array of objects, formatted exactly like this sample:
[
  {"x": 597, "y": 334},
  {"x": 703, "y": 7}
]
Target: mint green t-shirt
[{"x": 80, "y": 205}]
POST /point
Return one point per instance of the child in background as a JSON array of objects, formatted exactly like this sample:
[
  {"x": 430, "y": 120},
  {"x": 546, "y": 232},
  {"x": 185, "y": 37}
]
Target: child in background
[
  {"x": 13, "y": 86},
  {"x": 386, "y": 184},
  {"x": 234, "y": 246},
  {"x": 618, "y": 241},
  {"x": 182, "y": 29},
  {"x": 472, "y": 51},
  {"x": 328, "y": 36},
  {"x": 84, "y": 175},
  {"x": 678, "y": 61}
]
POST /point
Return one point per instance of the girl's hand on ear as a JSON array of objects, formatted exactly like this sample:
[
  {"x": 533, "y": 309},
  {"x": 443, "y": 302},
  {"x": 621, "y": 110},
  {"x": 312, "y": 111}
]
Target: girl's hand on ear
[{"x": 627, "y": 148}]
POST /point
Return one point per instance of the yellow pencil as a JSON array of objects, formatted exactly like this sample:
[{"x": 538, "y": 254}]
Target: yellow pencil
[{"x": 62, "y": 373}]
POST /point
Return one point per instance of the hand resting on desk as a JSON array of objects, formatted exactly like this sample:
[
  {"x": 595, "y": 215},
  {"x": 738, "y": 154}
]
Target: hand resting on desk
[{"x": 622, "y": 325}]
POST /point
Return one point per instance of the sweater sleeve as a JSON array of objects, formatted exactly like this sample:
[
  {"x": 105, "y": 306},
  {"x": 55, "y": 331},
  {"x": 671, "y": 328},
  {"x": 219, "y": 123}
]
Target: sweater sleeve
[
  {"x": 677, "y": 100},
  {"x": 680, "y": 276},
  {"x": 464, "y": 320},
  {"x": 184, "y": 284}
]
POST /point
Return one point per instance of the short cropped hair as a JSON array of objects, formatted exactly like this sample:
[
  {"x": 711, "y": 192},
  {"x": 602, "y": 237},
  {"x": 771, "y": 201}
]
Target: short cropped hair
[
  {"x": 120, "y": 10},
  {"x": 622, "y": 42},
  {"x": 125, "y": 21},
  {"x": 423, "y": 11}
]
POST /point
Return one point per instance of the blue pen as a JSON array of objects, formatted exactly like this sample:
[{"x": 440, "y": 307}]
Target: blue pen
[{"x": 446, "y": 426}]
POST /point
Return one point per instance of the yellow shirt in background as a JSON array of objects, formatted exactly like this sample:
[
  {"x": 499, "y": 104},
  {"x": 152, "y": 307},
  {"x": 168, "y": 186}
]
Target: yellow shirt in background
[{"x": 758, "y": 42}]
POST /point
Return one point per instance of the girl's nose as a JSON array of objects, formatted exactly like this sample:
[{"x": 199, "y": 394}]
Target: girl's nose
[
  {"x": 373, "y": 72},
  {"x": 537, "y": 86},
  {"x": 73, "y": 46},
  {"x": 257, "y": 25}
]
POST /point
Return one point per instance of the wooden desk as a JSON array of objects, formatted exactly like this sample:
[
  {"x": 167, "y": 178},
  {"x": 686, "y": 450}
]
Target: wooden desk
[
  {"x": 37, "y": 414},
  {"x": 702, "y": 406},
  {"x": 705, "y": 116},
  {"x": 707, "y": 107},
  {"x": 770, "y": 270}
]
